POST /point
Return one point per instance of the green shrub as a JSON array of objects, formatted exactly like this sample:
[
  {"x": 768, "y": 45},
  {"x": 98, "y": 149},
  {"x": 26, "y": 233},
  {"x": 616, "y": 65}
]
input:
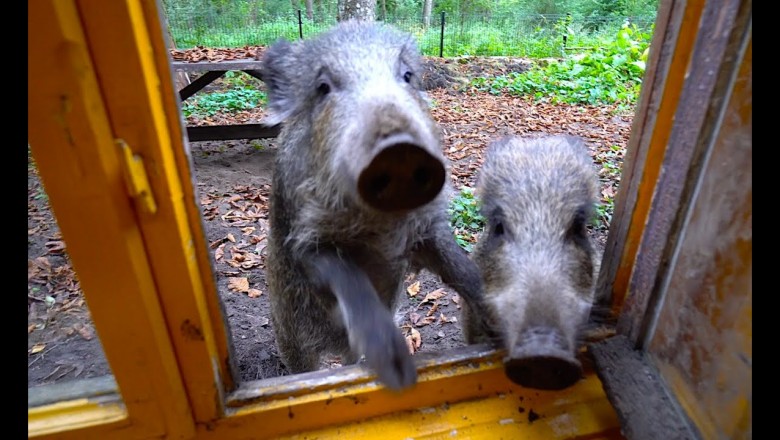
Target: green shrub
[
  {"x": 465, "y": 219},
  {"x": 611, "y": 73}
]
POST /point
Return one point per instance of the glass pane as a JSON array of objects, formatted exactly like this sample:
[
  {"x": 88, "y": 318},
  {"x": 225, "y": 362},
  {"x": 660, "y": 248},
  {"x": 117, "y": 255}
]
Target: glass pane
[
  {"x": 474, "y": 100},
  {"x": 62, "y": 344}
]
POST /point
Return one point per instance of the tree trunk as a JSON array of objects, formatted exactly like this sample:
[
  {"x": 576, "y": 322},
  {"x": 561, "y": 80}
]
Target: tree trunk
[
  {"x": 180, "y": 79},
  {"x": 321, "y": 13},
  {"x": 363, "y": 10},
  {"x": 427, "y": 8},
  {"x": 310, "y": 10},
  {"x": 384, "y": 10}
]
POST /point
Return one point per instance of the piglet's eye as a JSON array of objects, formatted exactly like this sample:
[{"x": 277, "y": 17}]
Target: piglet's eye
[{"x": 407, "y": 76}]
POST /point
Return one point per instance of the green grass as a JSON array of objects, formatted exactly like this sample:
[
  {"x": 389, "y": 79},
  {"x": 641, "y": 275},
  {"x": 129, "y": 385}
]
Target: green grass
[
  {"x": 465, "y": 220},
  {"x": 521, "y": 37}
]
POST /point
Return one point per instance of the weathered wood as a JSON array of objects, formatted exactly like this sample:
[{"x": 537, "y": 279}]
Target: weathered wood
[
  {"x": 664, "y": 75},
  {"x": 702, "y": 338},
  {"x": 280, "y": 387},
  {"x": 206, "y": 66},
  {"x": 700, "y": 105},
  {"x": 200, "y": 83},
  {"x": 638, "y": 394},
  {"x": 92, "y": 388},
  {"x": 254, "y": 73},
  {"x": 232, "y": 132},
  {"x": 228, "y": 369}
]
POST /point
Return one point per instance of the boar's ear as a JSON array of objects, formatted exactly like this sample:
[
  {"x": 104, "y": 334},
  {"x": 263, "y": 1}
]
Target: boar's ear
[{"x": 277, "y": 67}]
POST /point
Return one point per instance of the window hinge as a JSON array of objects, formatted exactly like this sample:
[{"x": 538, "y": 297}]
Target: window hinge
[{"x": 136, "y": 179}]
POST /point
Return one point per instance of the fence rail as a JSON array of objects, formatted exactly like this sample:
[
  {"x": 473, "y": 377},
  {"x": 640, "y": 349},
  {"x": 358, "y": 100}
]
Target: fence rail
[{"x": 444, "y": 35}]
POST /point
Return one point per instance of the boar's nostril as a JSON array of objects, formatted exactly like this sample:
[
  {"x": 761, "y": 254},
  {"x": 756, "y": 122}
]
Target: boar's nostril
[
  {"x": 401, "y": 176},
  {"x": 542, "y": 358},
  {"x": 543, "y": 372},
  {"x": 378, "y": 184},
  {"x": 422, "y": 177}
]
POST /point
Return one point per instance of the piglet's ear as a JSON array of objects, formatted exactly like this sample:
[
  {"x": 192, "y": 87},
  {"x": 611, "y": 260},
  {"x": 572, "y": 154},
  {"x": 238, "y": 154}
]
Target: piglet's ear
[{"x": 277, "y": 69}]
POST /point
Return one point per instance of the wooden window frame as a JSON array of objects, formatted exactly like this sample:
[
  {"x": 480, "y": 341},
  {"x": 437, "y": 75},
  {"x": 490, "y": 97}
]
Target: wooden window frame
[{"x": 109, "y": 143}]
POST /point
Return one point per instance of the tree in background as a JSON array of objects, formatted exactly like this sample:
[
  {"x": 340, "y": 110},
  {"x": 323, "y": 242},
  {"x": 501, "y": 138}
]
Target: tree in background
[{"x": 357, "y": 9}]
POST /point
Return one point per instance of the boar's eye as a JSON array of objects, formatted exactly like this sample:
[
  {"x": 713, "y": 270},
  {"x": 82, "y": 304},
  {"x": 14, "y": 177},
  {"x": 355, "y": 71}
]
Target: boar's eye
[
  {"x": 408, "y": 76},
  {"x": 578, "y": 229},
  {"x": 323, "y": 89},
  {"x": 498, "y": 229},
  {"x": 324, "y": 83}
]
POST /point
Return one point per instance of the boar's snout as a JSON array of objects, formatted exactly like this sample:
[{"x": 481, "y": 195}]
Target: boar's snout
[
  {"x": 402, "y": 175},
  {"x": 542, "y": 359}
]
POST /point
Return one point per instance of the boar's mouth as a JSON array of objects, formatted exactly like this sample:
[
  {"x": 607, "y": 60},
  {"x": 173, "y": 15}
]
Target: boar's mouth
[{"x": 402, "y": 176}]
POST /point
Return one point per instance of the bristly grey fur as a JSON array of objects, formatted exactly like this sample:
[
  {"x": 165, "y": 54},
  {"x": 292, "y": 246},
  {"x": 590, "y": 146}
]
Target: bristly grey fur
[{"x": 338, "y": 95}]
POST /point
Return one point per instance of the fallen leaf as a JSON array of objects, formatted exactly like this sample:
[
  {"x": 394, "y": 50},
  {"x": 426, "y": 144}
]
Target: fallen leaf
[
  {"x": 416, "y": 339},
  {"x": 30, "y": 328},
  {"x": 220, "y": 252},
  {"x": 86, "y": 333},
  {"x": 456, "y": 300},
  {"x": 414, "y": 317},
  {"x": 231, "y": 238},
  {"x": 425, "y": 321},
  {"x": 254, "y": 293},
  {"x": 256, "y": 238},
  {"x": 248, "y": 230},
  {"x": 433, "y": 309},
  {"x": 216, "y": 243},
  {"x": 433, "y": 296},
  {"x": 55, "y": 247},
  {"x": 37, "y": 348},
  {"x": 210, "y": 213},
  {"x": 444, "y": 319},
  {"x": 410, "y": 344},
  {"x": 238, "y": 284},
  {"x": 414, "y": 289},
  {"x": 43, "y": 262}
]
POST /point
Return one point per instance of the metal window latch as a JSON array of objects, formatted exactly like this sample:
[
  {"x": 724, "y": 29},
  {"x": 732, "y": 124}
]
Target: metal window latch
[{"x": 136, "y": 179}]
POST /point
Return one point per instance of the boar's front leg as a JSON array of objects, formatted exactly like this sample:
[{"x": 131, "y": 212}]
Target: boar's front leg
[
  {"x": 441, "y": 254},
  {"x": 368, "y": 323}
]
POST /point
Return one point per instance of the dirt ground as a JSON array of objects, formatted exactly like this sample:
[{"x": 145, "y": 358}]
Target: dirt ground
[{"x": 233, "y": 179}]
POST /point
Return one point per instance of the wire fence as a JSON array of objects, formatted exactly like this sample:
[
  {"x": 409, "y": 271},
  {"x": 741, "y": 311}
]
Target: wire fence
[{"x": 444, "y": 35}]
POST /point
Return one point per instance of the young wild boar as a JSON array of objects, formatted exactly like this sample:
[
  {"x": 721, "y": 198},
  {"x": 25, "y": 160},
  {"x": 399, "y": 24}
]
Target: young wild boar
[
  {"x": 357, "y": 198},
  {"x": 535, "y": 256}
]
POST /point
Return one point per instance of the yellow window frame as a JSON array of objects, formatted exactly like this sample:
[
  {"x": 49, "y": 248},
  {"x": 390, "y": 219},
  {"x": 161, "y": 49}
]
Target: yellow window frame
[{"x": 106, "y": 133}]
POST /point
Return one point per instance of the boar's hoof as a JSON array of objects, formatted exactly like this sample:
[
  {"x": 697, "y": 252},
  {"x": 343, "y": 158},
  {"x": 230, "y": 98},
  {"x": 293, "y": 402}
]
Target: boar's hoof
[{"x": 401, "y": 177}]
